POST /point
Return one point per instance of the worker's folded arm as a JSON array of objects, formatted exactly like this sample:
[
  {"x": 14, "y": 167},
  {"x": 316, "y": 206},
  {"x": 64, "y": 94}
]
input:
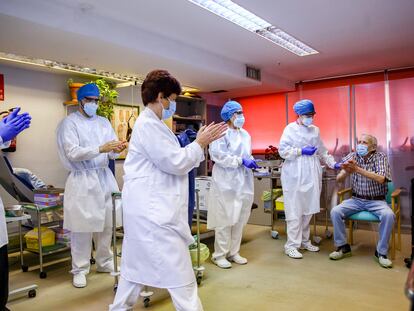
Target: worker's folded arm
[{"x": 221, "y": 155}]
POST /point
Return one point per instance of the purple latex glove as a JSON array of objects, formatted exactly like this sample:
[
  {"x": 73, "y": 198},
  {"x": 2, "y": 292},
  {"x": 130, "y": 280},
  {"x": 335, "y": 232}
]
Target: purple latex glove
[
  {"x": 337, "y": 165},
  {"x": 309, "y": 150},
  {"x": 13, "y": 124},
  {"x": 249, "y": 163}
]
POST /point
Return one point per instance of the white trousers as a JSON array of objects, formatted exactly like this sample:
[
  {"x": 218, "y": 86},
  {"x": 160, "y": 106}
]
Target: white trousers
[
  {"x": 81, "y": 247},
  {"x": 227, "y": 240},
  {"x": 184, "y": 298},
  {"x": 298, "y": 232}
]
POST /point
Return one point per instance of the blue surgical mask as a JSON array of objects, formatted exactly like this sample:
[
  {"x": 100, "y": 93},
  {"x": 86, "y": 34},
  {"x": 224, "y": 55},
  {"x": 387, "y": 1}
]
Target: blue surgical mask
[
  {"x": 90, "y": 108},
  {"x": 307, "y": 121},
  {"x": 362, "y": 150},
  {"x": 169, "y": 112},
  {"x": 239, "y": 121}
]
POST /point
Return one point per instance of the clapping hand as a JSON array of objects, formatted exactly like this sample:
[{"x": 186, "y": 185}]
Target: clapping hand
[{"x": 14, "y": 124}]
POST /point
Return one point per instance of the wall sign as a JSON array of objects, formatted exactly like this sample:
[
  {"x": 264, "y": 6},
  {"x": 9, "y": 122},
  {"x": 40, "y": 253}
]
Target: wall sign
[{"x": 1, "y": 87}]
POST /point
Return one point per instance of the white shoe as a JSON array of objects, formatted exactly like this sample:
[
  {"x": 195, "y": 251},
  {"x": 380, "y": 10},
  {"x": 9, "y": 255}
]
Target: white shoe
[
  {"x": 238, "y": 259},
  {"x": 79, "y": 280},
  {"x": 309, "y": 247},
  {"x": 293, "y": 253},
  {"x": 383, "y": 260},
  {"x": 221, "y": 262}
]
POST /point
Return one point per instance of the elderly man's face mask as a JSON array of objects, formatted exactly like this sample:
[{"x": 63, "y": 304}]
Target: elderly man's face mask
[{"x": 364, "y": 146}]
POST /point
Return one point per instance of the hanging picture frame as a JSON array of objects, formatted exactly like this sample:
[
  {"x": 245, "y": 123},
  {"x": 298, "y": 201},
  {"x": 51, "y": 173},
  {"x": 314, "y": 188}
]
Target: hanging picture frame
[{"x": 123, "y": 120}]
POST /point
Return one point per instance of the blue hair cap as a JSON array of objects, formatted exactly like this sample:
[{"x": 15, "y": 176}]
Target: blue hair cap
[
  {"x": 88, "y": 90},
  {"x": 304, "y": 106},
  {"x": 229, "y": 109}
]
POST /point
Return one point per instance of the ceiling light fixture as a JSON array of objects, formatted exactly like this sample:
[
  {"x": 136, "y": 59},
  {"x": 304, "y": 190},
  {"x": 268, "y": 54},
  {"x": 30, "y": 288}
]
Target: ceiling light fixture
[
  {"x": 238, "y": 15},
  {"x": 122, "y": 79}
]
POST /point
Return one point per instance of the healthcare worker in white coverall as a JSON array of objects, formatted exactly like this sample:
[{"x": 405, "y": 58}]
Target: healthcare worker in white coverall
[
  {"x": 155, "y": 200},
  {"x": 86, "y": 142},
  {"x": 231, "y": 193},
  {"x": 302, "y": 148},
  {"x": 10, "y": 127}
]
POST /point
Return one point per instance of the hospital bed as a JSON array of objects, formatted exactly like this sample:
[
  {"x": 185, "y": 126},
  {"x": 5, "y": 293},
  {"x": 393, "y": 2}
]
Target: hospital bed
[{"x": 24, "y": 193}]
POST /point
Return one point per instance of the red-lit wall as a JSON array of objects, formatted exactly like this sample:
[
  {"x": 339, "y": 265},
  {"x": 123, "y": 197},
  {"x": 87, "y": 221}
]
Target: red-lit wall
[
  {"x": 266, "y": 114},
  {"x": 265, "y": 119},
  {"x": 345, "y": 108}
]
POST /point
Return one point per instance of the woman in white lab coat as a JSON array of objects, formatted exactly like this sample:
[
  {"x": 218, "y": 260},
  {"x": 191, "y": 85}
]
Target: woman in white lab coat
[
  {"x": 155, "y": 200},
  {"x": 231, "y": 194},
  {"x": 302, "y": 148},
  {"x": 10, "y": 127}
]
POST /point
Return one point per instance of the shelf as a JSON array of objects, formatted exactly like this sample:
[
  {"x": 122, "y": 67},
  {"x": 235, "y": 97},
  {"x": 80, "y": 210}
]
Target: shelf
[
  {"x": 70, "y": 103},
  {"x": 48, "y": 250},
  {"x": 189, "y": 119},
  {"x": 32, "y": 207}
]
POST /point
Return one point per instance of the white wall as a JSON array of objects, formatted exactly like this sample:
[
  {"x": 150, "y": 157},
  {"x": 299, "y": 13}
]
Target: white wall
[{"x": 42, "y": 95}]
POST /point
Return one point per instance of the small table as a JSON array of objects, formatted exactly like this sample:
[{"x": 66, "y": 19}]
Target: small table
[{"x": 31, "y": 289}]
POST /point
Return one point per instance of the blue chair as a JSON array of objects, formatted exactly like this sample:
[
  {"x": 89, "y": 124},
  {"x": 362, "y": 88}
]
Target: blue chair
[{"x": 393, "y": 200}]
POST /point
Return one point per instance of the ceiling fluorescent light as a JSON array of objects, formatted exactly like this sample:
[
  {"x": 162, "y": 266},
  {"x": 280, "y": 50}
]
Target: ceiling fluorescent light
[
  {"x": 124, "y": 79},
  {"x": 238, "y": 15}
]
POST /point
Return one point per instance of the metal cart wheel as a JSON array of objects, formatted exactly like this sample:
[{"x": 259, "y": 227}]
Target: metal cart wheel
[
  {"x": 199, "y": 279},
  {"x": 147, "y": 302},
  {"x": 328, "y": 234},
  {"x": 43, "y": 275},
  {"x": 25, "y": 268},
  {"x": 317, "y": 239},
  {"x": 32, "y": 293},
  {"x": 92, "y": 261}
]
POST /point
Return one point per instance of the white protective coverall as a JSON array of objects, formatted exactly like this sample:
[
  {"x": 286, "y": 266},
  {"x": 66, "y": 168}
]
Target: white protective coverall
[
  {"x": 231, "y": 193},
  {"x": 4, "y": 240},
  {"x": 301, "y": 180},
  {"x": 3, "y": 227},
  {"x": 87, "y": 200},
  {"x": 155, "y": 215}
]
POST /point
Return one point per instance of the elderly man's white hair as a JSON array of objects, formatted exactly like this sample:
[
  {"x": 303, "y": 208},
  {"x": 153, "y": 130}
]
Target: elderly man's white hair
[{"x": 372, "y": 140}]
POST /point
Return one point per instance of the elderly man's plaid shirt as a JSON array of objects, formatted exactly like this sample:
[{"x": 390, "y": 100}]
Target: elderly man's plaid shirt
[{"x": 376, "y": 163}]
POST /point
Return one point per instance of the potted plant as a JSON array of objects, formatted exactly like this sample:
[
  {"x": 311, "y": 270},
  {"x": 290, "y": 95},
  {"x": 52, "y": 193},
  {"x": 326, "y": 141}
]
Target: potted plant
[
  {"x": 74, "y": 87},
  {"x": 108, "y": 98}
]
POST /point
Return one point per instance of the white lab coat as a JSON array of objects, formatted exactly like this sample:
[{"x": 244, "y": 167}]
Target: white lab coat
[
  {"x": 302, "y": 174},
  {"x": 87, "y": 201},
  {"x": 232, "y": 183},
  {"x": 155, "y": 205},
  {"x": 3, "y": 227}
]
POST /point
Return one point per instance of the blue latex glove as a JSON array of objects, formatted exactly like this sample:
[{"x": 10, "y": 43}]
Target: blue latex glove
[
  {"x": 337, "y": 165},
  {"x": 309, "y": 150},
  {"x": 13, "y": 124},
  {"x": 249, "y": 163}
]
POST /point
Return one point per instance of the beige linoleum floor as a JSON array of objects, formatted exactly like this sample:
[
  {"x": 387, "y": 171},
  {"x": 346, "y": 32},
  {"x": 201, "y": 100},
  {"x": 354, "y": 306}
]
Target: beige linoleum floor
[{"x": 270, "y": 281}]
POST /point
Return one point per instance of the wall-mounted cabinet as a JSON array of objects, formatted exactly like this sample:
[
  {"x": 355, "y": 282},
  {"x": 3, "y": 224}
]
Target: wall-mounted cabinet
[{"x": 191, "y": 113}]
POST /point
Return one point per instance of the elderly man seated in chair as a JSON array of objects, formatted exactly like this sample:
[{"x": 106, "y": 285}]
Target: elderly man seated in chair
[{"x": 370, "y": 172}]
